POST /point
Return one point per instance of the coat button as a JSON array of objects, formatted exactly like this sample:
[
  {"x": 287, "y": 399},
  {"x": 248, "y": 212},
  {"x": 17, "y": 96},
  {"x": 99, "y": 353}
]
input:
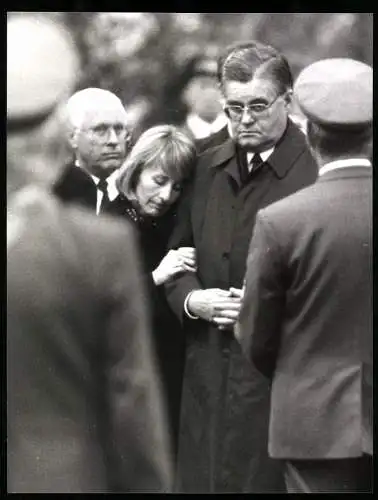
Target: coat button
[{"x": 226, "y": 255}]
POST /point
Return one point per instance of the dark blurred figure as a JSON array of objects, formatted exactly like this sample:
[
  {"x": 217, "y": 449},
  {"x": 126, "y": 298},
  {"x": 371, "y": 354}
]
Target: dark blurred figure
[
  {"x": 225, "y": 408},
  {"x": 307, "y": 318},
  {"x": 151, "y": 182},
  {"x": 84, "y": 408},
  {"x": 98, "y": 133},
  {"x": 201, "y": 95}
]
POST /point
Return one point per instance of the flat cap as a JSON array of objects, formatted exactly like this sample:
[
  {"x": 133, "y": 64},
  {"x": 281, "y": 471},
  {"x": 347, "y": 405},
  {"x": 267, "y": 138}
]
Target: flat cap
[
  {"x": 42, "y": 65},
  {"x": 336, "y": 93}
]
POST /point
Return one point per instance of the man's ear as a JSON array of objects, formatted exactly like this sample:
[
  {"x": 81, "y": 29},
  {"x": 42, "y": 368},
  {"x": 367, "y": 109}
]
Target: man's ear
[
  {"x": 223, "y": 104},
  {"x": 288, "y": 97},
  {"x": 72, "y": 134}
]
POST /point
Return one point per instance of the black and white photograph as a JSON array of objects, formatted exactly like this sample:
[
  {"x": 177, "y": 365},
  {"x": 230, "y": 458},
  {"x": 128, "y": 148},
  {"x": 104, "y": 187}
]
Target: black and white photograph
[{"x": 189, "y": 252}]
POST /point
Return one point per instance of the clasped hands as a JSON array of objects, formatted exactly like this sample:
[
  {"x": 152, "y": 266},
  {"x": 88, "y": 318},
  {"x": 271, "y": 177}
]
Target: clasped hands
[{"x": 218, "y": 306}]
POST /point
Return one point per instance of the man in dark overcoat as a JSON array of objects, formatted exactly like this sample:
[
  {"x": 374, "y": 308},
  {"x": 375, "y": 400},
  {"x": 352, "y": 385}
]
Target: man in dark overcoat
[
  {"x": 225, "y": 409},
  {"x": 306, "y": 320},
  {"x": 84, "y": 407}
]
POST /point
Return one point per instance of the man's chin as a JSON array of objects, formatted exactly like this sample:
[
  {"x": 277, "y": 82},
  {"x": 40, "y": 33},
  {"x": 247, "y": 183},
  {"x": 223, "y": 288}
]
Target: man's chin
[
  {"x": 251, "y": 142},
  {"x": 110, "y": 165}
]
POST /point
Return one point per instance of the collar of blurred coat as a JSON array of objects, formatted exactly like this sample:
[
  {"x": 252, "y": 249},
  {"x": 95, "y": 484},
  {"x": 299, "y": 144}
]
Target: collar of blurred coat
[
  {"x": 21, "y": 207},
  {"x": 346, "y": 163}
]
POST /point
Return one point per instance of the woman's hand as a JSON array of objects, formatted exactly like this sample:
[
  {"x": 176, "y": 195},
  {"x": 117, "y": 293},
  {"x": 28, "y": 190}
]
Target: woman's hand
[{"x": 176, "y": 261}]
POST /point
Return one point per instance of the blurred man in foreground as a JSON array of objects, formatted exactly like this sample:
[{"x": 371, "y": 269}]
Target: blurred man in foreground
[
  {"x": 306, "y": 319},
  {"x": 99, "y": 136},
  {"x": 83, "y": 396}
]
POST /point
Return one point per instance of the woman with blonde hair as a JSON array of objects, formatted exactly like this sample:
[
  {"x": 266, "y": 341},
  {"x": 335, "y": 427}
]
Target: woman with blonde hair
[{"x": 150, "y": 184}]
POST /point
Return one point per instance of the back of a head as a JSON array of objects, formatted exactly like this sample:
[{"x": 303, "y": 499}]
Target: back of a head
[
  {"x": 42, "y": 65},
  {"x": 242, "y": 61},
  {"x": 336, "y": 96},
  {"x": 201, "y": 95},
  {"x": 42, "y": 70}
]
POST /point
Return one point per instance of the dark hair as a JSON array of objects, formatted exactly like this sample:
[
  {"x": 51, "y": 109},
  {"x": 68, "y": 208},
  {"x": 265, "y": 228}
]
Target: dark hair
[
  {"x": 242, "y": 60},
  {"x": 336, "y": 142}
]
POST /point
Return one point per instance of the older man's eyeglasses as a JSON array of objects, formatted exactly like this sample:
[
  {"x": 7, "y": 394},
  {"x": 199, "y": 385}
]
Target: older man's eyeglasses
[
  {"x": 102, "y": 132},
  {"x": 236, "y": 110}
]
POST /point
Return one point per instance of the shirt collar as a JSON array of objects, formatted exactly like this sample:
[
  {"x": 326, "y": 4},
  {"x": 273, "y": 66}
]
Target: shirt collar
[
  {"x": 112, "y": 189},
  {"x": 350, "y": 162},
  {"x": 111, "y": 180},
  {"x": 264, "y": 155}
]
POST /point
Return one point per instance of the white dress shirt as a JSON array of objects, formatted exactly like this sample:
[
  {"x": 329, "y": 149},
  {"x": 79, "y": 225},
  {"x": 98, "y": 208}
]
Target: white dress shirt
[{"x": 350, "y": 162}]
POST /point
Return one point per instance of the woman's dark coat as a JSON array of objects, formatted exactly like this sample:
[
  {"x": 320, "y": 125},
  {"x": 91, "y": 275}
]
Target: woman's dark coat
[{"x": 153, "y": 239}]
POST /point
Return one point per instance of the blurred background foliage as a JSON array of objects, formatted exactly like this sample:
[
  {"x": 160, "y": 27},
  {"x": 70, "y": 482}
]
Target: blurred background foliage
[{"x": 147, "y": 58}]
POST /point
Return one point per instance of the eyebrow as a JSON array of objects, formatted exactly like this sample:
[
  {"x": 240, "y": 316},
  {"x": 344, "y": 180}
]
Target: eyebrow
[
  {"x": 110, "y": 124},
  {"x": 250, "y": 101},
  {"x": 161, "y": 174}
]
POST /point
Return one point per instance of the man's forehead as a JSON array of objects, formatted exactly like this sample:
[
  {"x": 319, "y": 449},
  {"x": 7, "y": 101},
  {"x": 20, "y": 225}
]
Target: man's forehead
[
  {"x": 106, "y": 113},
  {"x": 256, "y": 88}
]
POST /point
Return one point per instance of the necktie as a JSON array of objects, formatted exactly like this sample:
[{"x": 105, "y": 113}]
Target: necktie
[
  {"x": 255, "y": 162},
  {"x": 103, "y": 187}
]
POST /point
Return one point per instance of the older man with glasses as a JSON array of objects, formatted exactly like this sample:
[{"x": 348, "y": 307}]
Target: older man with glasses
[
  {"x": 99, "y": 137},
  {"x": 224, "y": 417}
]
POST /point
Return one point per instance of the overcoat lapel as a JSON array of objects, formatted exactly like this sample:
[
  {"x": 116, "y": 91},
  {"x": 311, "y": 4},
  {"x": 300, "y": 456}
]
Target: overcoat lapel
[{"x": 207, "y": 169}]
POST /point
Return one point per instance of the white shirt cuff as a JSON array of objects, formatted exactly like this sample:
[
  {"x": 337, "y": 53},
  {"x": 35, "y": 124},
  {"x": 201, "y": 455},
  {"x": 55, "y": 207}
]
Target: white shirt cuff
[{"x": 191, "y": 316}]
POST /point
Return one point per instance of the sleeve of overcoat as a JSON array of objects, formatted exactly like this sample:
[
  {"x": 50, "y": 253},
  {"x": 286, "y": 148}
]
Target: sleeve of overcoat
[
  {"x": 182, "y": 236},
  {"x": 258, "y": 327}
]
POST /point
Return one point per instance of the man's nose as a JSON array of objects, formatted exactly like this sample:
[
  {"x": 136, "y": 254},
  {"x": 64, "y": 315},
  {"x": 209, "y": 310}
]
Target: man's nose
[
  {"x": 112, "y": 136},
  {"x": 247, "y": 116}
]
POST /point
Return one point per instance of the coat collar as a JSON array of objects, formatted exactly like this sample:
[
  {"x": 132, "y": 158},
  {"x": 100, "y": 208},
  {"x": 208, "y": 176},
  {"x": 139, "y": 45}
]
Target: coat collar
[
  {"x": 345, "y": 173},
  {"x": 289, "y": 147},
  {"x": 285, "y": 153},
  {"x": 220, "y": 154}
]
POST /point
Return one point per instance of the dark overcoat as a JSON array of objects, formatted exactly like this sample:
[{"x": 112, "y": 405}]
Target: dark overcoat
[
  {"x": 76, "y": 186},
  {"x": 225, "y": 408},
  {"x": 307, "y": 317},
  {"x": 84, "y": 410}
]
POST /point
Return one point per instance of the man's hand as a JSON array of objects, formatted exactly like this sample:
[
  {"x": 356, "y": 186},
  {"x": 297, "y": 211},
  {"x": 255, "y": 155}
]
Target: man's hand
[{"x": 215, "y": 305}]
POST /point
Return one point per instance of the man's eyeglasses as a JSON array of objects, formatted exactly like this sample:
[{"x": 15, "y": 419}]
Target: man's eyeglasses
[
  {"x": 102, "y": 132},
  {"x": 236, "y": 111}
]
